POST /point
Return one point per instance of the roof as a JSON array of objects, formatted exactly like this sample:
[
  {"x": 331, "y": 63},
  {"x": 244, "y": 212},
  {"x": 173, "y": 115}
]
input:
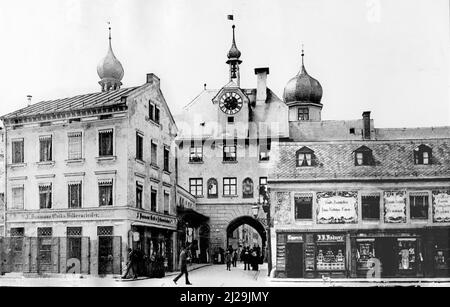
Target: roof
[
  {"x": 93, "y": 100},
  {"x": 336, "y": 160}
]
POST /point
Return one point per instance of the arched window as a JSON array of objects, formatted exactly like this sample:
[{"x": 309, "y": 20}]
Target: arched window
[
  {"x": 212, "y": 188},
  {"x": 305, "y": 157},
  {"x": 422, "y": 155},
  {"x": 363, "y": 156},
  {"x": 247, "y": 188}
]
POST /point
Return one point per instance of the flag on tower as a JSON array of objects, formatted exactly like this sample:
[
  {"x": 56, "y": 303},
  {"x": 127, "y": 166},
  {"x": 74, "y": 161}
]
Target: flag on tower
[{"x": 230, "y": 17}]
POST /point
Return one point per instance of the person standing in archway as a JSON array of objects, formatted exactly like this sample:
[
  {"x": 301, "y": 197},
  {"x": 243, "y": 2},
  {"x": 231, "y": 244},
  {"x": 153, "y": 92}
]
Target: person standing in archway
[{"x": 246, "y": 258}]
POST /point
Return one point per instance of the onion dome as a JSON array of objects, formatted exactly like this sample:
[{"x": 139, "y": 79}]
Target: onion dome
[
  {"x": 234, "y": 53},
  {"x": 303, "y": 88},
  {"x": 110, "y": 70}
]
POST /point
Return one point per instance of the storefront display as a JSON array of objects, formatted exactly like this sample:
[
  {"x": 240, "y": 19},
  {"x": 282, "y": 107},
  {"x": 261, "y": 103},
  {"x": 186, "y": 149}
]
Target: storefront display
[
  {"x": 365, "y": 252},
  {"x": 330, "y": 253},
  {"x": 407, "y": 254}
]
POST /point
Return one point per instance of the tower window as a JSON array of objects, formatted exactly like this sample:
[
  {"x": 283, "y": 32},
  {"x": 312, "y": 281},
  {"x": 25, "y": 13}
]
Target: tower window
[
  {"x": 230, "y": 119},
  {"x": 229, "y": 153},
  {"x": 303, "y": 114}
]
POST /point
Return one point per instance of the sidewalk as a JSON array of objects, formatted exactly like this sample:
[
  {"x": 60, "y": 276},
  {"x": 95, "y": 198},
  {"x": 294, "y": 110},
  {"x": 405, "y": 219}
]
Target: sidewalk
[{"x": 363, "y": 280}]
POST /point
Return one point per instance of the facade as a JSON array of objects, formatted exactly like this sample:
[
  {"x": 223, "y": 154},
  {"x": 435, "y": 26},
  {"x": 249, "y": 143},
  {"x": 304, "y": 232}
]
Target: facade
[
  {"x": 89, "y": 177},
  {"x": 224, "y": 146}
]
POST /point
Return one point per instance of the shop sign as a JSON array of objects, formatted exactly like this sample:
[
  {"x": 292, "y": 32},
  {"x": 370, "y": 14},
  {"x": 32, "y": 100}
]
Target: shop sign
[
  {"x": 337, "y": 207},
  {"x": 136, "y": 236},
  {"x": 295, "y": 238},
  {"x": 330, "y": 238},
  {"x": 441, "y": 206},
  {"x": 155, "y": 218},
  {"x": 395, "y": 207}
]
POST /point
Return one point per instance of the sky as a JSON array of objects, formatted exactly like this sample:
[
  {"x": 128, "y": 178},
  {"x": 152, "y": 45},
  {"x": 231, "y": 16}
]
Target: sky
[{"x": 390, "y": 57}]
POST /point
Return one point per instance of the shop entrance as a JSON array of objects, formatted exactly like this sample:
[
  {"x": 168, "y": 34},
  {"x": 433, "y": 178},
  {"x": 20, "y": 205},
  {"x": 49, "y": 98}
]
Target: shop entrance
[
  {"x": 386, "y": 253},
  {"x": 44, "y": 254},
  {"x": 294, "y": 263},
  {"x": 105, "y": 255}
]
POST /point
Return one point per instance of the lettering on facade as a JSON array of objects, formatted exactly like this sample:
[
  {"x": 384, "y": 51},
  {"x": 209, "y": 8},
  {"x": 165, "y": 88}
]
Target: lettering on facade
[
  {"x": 57, "y": 215},
  {"x": 329, "y": 238},
  {"x": 295, "y": 238},
  {"x": 337, "y": 207},
  {"x": 395, "y": 207},
  {"x": 441, "y": 206},
  {"x": 155, "y": 218}
]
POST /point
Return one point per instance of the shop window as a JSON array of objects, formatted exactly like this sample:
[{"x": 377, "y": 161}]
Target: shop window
[
  {"x": 407, "y": 254},
  {"x": 196, "y": 153},
  {"x": 212, "y": 188},
  {"x": 17, "y": 198},
  {"x": 139, "y": 146},
  {"x": 105, "y": 139},
  {"x": 74, "y": 145},
  {"x": 17, "y": 151},
  {"x": 154, "y": 154},
  {"x": 196, "y": 186},
  {"x": 166, "y": 203},
  {"x": 303, "y": 207},
  {"x": 365, "y": 252},
  {"x": 166, "y": 158},
  {"x": 139, "y": 190},
  {"x": 229, "y": 153},
  {"x": 74, "y": 194},
  {"x": 305, "y": 157},
  {"x": 264, "y": 150},
  {"x": 330, "y": 257},
  {"x": 418, "y": 203},
  {"x": 45, "y": 196},
  {"x": 422, "y": 155},
  {"x": 370, "y": 207},
  {"x": 105, "y": 193},
  {"x": 303, "y": 114},
  {"x": 229, "y": 186},
  {"x": 45, "y": 148},
  {"x": 363, "y": 156},
  {"x": 153, "y": 199},
  {"x": 247, "y": 188}
]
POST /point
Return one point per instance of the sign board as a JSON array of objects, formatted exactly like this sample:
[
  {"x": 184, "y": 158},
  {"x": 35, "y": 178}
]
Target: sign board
[
  {"x": 337, "y": 207},
  {"x": 395, "y": 207},
  {"x": 136, "y": 236},
  {"x": 295, "y": 238},
  {"x": 441, "y": 206},
  {"x": 330, "y": 238}
]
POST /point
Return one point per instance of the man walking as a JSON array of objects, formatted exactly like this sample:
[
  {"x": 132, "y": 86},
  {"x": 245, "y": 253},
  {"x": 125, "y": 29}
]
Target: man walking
[
  {"x": 183, "y": 266},
  {"x": 132, "y": 264}
]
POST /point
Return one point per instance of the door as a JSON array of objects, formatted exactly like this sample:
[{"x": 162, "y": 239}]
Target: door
[
  {"x": 105, "y": 255},
  {"x": 294, "y": 264},
  {"x": 74, "y": 255},
  {"x": 386, "y": 252}
]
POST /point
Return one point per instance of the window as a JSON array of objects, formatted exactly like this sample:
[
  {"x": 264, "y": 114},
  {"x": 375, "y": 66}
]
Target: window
[
  {"x": 105, "y": 192},
  {"x": 422, "y": 155},
  {"x": 230, "y": 119},
  {"x": 17, "y": 232},
  {"x": 105, "y": 138},
  {"x": 45, "y": 148},
  {"x": 303, "y": 114},
  {"x": 370, "y": 207},
  {"x": 151, "y": 110},
  {"x": 74, "y": 194},
  {"x": 139, "y": 146},
  {"x": 17, "y": 151},
  {"x": 45, "y": 231},
  {"x": 166, "y": 158},
  {"x": 139, "y": 190},
  {"x": 153, "y": 199},
  {"x": 212, "y": 188},
  {"x": 263, "y": 189},
  {"x": 247, "y": 188},
  {"x": 196, "y": 153},
  {"x": 74, "y": 232},
  {"x": 74, "y": 145},
  {"x": 166, "y": 203},
  {"x": 229, "y": 153},
  {"x": 229, "y": 186},
  {"x": 154, "y": 154},
  {"x": 418, "y": 203},
  {"x": 45, "y": 196},
  {"x": 303, "y": 207},
  {"x": 264, "y": 150},
  {"x": 196, "y": 186},
  {"x": 363, "y": 156},
  {"x": 157, "y": 115},
  {"x": 305, "y": 157},
  {"x": 103, "y": 231},
  {"x": 17, "y": 198}
]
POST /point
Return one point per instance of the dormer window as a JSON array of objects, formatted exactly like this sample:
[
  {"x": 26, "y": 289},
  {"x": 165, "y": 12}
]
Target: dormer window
[
  {"x": 305, "y": 157},
  {"x": 422, "y": 155},
  {"x": 363, "y": 156},
  {"x": 303, "y": 114}
]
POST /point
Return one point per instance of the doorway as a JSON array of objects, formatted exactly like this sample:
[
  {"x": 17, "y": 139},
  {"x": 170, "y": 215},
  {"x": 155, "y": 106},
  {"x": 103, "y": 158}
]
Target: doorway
[
  {"x": 386, "y": 252},
  {"x": 294, "y": 261},
  {"x": 105, "y": 255}
]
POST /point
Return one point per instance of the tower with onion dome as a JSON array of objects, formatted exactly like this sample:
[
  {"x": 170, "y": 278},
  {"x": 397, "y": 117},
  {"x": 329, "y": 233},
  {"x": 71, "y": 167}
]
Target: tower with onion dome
[
  {"x": 110, "y": 70},
  {"x": 303, "y": 95},
  {"x": 233, "y": 60}
]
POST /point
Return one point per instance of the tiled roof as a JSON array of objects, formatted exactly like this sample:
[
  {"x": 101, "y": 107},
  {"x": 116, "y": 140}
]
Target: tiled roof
[
  {"x": 79, "y": 102},
  {"x": 336, "y": 160}
]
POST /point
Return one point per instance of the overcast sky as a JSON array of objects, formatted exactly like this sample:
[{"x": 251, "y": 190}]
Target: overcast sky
[{"x": 388, "y": 56}]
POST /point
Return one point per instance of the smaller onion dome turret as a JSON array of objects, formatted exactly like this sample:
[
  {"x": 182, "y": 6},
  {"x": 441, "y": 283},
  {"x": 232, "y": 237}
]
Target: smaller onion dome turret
[{"x": 110, "y": 70}]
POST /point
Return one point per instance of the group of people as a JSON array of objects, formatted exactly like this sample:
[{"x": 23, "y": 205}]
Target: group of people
[{"x": 251, "y": 257}]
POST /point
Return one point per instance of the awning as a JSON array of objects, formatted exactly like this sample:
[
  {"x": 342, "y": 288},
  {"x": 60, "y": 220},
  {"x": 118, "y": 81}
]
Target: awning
[{"x": 191, "y": 216}]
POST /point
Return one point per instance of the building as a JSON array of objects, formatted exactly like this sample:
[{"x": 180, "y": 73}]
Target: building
[
  {"x": 224, "y": 150},
  {"x": 2, "y": 182},
  {"x": 352, "y": 200},
  {"x": 89, "y": 177}
]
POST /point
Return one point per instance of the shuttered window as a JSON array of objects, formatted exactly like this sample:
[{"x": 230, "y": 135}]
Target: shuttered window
[
  {"x": 105, "y": 192},
  {"x": 17, "y": 198},
  {"x": 74, "y": 194},
  {"x": 17, "y": 151},
  {"x": 74, "y": 145},
  {"x": 45, "y": 196},
  {"x": 45, "y": 148}
]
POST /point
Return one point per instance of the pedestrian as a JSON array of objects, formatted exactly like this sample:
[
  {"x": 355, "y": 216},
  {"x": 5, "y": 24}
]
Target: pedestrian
[
  {"x": 183, "y": 266},
  {"x": 132, "y": 264},
  {"x": 228, "y": 260},
  {"x": 234, "y": 257},
  {"x": 246, "y": 258}
]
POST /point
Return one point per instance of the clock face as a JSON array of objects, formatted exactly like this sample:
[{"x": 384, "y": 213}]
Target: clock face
[{"x": 230, "y": 103}]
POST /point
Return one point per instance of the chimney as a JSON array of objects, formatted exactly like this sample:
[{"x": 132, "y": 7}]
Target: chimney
[
  {"x": 29, "y": 100},
  {"x": 152, "y": 78},
  {"x": 261, "y": 87},
  {"x": 366, "y": 125}
]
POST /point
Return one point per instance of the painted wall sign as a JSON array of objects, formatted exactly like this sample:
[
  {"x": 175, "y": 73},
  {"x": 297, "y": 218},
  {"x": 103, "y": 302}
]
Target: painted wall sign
[
  {"x": 330, "y": 238},
  {"x": 441, "y": 206},
  {"x": 295, "y": 238},
  {"x": 155, "y": 218},
  {"x": 337, "y": 207},
  {"x": 395, "y": 207}
]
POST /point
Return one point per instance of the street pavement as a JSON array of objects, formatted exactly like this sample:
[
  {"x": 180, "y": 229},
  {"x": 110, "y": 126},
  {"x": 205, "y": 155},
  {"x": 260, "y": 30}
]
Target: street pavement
[{"x": 207, "y": 276}]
